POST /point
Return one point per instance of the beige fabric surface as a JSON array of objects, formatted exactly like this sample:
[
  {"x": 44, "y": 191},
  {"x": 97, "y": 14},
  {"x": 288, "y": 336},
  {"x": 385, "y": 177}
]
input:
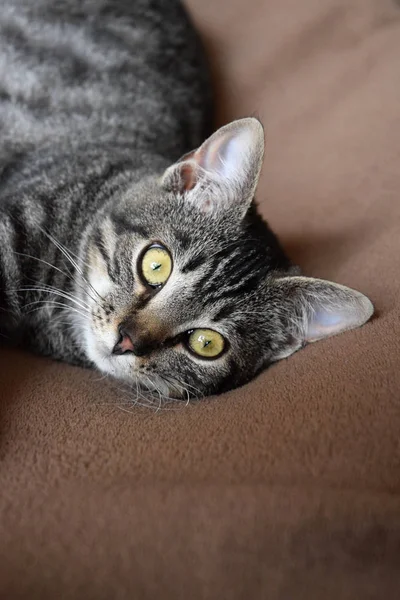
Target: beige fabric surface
[{"x": 289, "y": 487}]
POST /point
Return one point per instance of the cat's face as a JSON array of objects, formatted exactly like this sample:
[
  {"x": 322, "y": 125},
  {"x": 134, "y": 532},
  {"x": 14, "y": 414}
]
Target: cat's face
[{"x": 190, "y": 291}]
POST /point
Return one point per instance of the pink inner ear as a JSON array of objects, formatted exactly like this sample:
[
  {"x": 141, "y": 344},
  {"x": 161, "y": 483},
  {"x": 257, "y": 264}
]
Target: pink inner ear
[
  {"x": 188, "y": 176},
  {"x": 209, "y": 155},
  {"x": 227, "y": 165},
  {"x": 325, "y": 324}
]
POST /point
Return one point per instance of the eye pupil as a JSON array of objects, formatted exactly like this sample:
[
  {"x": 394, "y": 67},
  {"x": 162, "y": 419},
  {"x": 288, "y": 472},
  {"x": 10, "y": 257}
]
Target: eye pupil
[
  {"x": 155, "y": 265},
  {"x": 206, "y": 343}
]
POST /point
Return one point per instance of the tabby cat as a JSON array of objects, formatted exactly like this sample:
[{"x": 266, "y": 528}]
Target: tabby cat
[{"x": 112, "y": 255}]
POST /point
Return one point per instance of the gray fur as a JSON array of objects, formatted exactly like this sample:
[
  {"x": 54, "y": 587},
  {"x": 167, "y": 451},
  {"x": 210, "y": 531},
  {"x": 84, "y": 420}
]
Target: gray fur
[{"x": 98, "y": 98}]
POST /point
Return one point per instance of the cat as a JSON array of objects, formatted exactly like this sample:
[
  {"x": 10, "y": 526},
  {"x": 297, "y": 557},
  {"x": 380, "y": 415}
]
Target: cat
[{"x": 127, "y": 242}]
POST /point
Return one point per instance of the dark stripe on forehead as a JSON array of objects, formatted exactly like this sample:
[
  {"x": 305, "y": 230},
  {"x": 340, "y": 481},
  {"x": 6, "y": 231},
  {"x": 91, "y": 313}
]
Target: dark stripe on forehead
[
  {"x": 100, "y": 244},
  {"x": 230, "y": 257},
  {"x": 223, "y": 313},
  {"x": 123, "y": 225},
  {"x": 233, "y": 268},
  {"x": 239, "y": 273},
  {"x": 183, "y": 239},
  {"x": 17, "y": 217},
  {"x": 238, "y": 265},
  {"x": 211, "y": 264},
  {"x": 223, "y": 293},
  {"x": 112, "y": 268},
  {"x": 194, "y": 263}
]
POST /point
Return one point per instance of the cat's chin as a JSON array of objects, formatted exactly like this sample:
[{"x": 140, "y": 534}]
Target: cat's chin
[
  {"x": 125, "y": 369},
  {"x": 120, "y": 367}
]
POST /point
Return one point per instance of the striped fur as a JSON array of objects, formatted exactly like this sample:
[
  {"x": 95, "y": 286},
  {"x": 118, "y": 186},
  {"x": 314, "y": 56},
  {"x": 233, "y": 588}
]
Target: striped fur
[{"x": 97, "y": 101}]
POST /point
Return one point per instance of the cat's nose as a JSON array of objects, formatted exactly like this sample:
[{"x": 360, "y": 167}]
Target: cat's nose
[
  {"x": 129, "y": 343},
  {"x": 124, "y": 343}
]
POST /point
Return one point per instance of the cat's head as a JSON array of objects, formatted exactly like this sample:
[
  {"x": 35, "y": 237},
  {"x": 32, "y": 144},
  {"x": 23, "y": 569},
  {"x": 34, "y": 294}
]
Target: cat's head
[{"x": 189, "y": 288}]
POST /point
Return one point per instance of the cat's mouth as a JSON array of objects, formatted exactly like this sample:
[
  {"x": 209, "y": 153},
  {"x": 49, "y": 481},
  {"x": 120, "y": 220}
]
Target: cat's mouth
[
  {"x": 150, "y": 387},
  {"x": 123, "y": 364}
]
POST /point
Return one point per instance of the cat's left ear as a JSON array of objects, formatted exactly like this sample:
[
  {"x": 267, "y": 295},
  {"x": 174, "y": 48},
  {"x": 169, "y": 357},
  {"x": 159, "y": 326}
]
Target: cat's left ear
[
  {"x": 314, "y": 309},
  {"x": 224, "y": 171}
]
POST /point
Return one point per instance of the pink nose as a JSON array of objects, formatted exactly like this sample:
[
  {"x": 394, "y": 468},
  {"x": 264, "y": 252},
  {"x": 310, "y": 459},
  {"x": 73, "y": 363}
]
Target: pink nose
[
  {"x": 124, "y": 344},
  {"x": 130, "y": 343}
]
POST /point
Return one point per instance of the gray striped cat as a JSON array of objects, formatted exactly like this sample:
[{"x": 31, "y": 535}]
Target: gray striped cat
[{"x": 114, "y": 252}]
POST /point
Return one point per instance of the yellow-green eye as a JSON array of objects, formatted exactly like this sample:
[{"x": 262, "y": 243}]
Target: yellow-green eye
[
  {"x": 156, "y": 265},
  {"x": 206, "y": 343}
]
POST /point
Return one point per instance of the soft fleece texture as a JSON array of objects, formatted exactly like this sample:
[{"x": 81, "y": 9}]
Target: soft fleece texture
[{"x": 285, "y": 489}]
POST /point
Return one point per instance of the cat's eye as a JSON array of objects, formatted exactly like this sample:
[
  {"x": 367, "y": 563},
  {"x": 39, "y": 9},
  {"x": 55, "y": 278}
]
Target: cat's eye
[
  {"x": 206, "y": 343},
  {"x": 156, "y": 265}
]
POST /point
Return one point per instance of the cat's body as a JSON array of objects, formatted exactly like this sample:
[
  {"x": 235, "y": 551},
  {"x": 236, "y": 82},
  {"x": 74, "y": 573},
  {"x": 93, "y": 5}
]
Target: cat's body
[{"x": 97, "y": 99}]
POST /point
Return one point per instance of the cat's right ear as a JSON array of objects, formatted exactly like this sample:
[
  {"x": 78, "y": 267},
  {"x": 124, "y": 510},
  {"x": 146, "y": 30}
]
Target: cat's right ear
[
  {"x": 224, "y": 171},
  {"x": 314, "y": 309}
]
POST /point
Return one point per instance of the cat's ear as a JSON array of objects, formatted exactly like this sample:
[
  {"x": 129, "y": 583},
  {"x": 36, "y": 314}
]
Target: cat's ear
[
  {"x": 314, "y": 309},
  {"x": 224, "y": 171}
]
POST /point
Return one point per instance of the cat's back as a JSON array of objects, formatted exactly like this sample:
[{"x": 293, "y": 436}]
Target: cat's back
[{"x": 108, "y": 72}]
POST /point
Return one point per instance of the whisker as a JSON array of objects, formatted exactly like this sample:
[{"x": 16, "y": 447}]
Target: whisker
[
  {"x": 53, "y": 303},
  {"x": 196, "y": 392},
  {"x": 45, "y": 301},
  {"x": 68, "y": 256},
  {"x": 79, "y": 258},
  {"x": 100, "y": 378},
  {"x": 57, "y": 292},
  {"x": 128, "y": 390},
  {"x": 157, "y": 390},
  {"x": 69, "y": 275},
  {"x": 149, "y": 394},
  {"x": 176, "y": 385},
  {"x": 145, "y": 404},
  {"x": 163, "y": 399},
  {"x": 42, "y": 261},
  {"x": 135, "y": 399}
]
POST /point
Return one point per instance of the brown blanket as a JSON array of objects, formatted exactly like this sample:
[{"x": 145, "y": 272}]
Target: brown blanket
[{"x": 288, "y": 488}]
